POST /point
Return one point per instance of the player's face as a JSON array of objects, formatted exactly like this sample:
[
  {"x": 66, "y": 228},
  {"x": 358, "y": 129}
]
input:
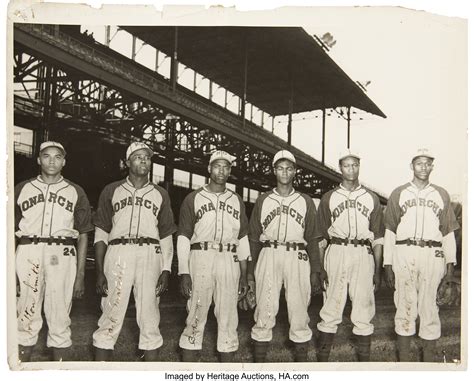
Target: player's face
[
  {"x": 422, "y": 167},
  {"x": 219, "y": 171},
  {"x": 284, "y": 171},
  {"x": 350, "y": 168},
  {"x": 51, "y": 161},
  {"x": 139, "y": 162}
]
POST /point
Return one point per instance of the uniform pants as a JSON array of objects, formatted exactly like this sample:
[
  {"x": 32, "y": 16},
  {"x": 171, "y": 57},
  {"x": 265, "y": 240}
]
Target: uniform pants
[
  {"x": 418, "y": 273},
  {"x": 215, "y": 276},
  {"x": 46, "y": 274},
  {"x": 291, "y": 269},
  {"x": 128, "y": 266},
  {"x": 350, "y": 271}
]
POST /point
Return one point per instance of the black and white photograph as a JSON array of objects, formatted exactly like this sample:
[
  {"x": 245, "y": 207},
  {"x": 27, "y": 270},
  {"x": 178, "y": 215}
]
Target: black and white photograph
[{"x": 204, "y": 188}]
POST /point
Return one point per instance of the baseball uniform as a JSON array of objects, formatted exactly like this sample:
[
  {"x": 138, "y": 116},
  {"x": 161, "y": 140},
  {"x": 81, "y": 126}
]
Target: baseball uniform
[
  {"x": 284, "y": 228},
  {"x": 420, "y": 220},
  {"x": 352, "y": 223},
  {"x": 215, "y": 225},
  {"x": 135, "y": 220},
  {"x": 48, "y": 221}
]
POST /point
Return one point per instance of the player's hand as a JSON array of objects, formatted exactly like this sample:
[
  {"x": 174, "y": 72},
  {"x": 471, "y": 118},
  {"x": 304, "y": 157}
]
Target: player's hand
[
  {"x": 101, "y": 285},
  {"x": 186, "y": 285},
  {"x": 79, "y": 287},
  {"x": 389, "y": 277},
  {"x": 323, "y": 280},
  {"x": 377, "y": 280},
  {"x": 243, "y": 287},
  {"x": 162, "y": 284},
  {"x": 315, "y": 283}
]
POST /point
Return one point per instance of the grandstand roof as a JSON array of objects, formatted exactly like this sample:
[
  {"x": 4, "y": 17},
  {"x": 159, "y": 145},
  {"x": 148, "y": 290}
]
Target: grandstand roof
[{"x": 281, "y": 61}]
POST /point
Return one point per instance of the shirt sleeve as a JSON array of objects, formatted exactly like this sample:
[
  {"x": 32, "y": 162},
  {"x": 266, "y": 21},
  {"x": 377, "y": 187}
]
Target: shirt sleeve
[
  {"x": 18, "y": 213},
  {"x": 166, "y": 225},
  {"x": 323, "y": 217},
  {"x": 104, "y": 213},
  {"x": 311, "y": 231},
  {"x": 376, "y": 224},
  {"x": 393, "y": 211},
  {"x": 82, "y": 212},
  {"x": 255, "y": 227},
  {"x": 187, "y": 217},
  {"x": 244, "y": 222},
  {"x": 447, "y": 219}
]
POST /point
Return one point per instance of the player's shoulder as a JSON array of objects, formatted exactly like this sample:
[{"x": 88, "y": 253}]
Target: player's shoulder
[
  {"x": 76, "y": 186},
  {"x": 443, "y": 192},
  {"x": 396, "y": 192},
  {"x": 160, "y": 189},
  {"x": 263, "y": 196},
  {"x": 370, "y": 192},
  {"x": 326, "y": 196},
  {"x": 305, "y": 196},
  {"x": 111, "y": 187},
  {"x": 21, "y": 184}
]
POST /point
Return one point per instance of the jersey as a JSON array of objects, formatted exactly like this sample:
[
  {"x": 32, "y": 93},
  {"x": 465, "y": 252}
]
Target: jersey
[
  {"x": 213, "y": 217},
  {"x": 51, "y": 210},
  {"x": 355, "y": 214},
  {"x": 420, "y": 213},
  {"x": 284, "y": 219},
  {"x": 124, "y": 211}
]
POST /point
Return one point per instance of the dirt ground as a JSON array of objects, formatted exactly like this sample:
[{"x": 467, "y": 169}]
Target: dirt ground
[{"x": 85, "y": 314}]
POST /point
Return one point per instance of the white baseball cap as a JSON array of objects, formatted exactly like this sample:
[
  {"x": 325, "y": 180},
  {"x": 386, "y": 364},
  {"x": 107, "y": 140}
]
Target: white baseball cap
[
  {"x": 284, "y": 154},
  {"x": 348, "y": 153},
  {"x": 216, "y": 155},
  {"x": 50, "y": 143},
  {"x": 135, "y": 146},
  {"x": 422, "y": 152}
]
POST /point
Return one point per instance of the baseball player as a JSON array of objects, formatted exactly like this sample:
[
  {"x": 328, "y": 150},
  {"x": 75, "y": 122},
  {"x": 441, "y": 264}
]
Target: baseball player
[
  {"x": 134, "y": 226},
  {"x": 283, "y": 244},
  {"x": 52, "y": 218},
  {"x": 351, "y": 220},
  {"x": 212, "y": 258},
  {"x": 420, "y": 252}
]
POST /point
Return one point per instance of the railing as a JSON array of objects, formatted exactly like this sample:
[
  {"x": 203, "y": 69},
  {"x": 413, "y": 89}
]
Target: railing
[{"x": 23, "y": 149}]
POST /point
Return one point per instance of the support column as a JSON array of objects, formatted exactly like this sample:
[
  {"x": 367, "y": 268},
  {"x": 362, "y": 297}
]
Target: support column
[
  {"x": 324, "y": 136},
  {"x": 349, "y": 127},
  {"x": 174, "y": 61},
  {"x": 41, "y": 134},
  {"x": 169, "y": 167},
  {"x": 243, "y": 100},
  {"x": 290, "y": 108},
  {"x": 134, "y": 47},
  {"x": 107, "y": 35}
]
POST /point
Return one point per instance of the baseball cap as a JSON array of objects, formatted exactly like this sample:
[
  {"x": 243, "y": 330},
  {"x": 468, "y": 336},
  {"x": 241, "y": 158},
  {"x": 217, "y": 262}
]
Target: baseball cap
[
  {"x": 422, "y": 152},
  {"x": 348, "y": 153},
  {"x": 284, "y": 154},
  {"x": 216, "y": 155},
  {"x": 50, "y": 143},
  {"x": 135, "y": 146}
]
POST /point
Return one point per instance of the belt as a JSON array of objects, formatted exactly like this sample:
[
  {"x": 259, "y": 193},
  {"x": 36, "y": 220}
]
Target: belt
[
  {"x": 214, "y": 246},
  {"x": 68, "y": 241},
  {"x": 140, "y": 241},
  {"x": 419, "y": 242},
  {"x": 349, "y": 241},
  {"x": 289, "y": 245}
]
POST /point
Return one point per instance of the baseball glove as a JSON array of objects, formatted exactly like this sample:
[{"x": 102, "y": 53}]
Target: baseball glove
[
  {"x": 449, "y": 292},
  {"x": 249, "y": 301}
]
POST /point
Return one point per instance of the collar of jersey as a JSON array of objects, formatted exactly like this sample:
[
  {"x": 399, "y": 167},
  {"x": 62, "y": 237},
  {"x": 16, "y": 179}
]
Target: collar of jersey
[
  {"x": 279, "y": 195},
  {"x": 43, "y": 182},
  {"x": 130, "y": 184},
  {"x": 418, "y": 189},
  {"x": 351, "y": 191},
  {"x": 208, "y": 191}
]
